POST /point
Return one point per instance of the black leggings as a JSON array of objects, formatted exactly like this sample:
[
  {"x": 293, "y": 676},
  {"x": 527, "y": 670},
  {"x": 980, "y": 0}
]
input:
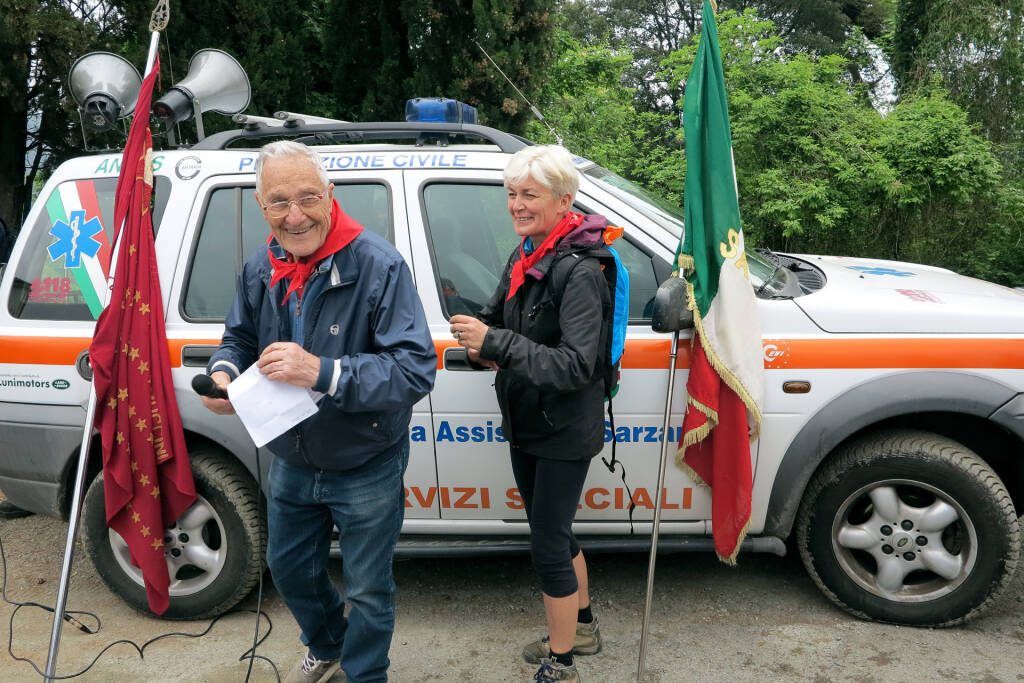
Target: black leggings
[{"x": 551, "y": 491}]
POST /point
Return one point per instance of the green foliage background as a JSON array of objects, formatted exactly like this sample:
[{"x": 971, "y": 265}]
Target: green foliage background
[
  {"x": 819, "y": 169},
  {"x": 885, "y": 128}
]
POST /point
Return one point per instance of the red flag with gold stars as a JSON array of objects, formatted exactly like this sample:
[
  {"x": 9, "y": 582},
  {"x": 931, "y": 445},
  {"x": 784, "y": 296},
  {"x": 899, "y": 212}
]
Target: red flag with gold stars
[{"x": 147, "y": 479}]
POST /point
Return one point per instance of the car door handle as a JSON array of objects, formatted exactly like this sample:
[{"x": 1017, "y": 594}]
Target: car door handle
[
  {"x": 456, "y": 358},
  {"x": 197, "y": 355}
]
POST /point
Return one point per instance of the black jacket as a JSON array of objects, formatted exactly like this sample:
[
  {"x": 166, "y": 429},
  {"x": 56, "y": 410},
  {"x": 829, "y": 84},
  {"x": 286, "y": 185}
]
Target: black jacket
[{"x": 549, "y": 384}]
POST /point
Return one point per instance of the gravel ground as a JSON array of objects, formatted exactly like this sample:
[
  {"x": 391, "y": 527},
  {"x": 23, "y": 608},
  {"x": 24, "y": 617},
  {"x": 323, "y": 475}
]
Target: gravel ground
[{"x": 466, "y": 619}]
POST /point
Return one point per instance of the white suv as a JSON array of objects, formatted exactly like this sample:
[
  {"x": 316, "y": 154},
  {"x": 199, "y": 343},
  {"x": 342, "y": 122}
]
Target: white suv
[{"x": 891, "y": 450}]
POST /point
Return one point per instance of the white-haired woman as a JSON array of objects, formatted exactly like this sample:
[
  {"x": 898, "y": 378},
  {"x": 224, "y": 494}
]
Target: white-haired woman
[{"x": 547, "y": 348}]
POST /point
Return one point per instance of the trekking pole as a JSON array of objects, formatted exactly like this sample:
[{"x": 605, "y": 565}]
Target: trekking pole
[{"x": 657, "y": 505}]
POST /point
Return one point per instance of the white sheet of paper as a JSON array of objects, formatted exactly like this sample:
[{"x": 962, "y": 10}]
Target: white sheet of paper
[{"x": 267, "y": 408}]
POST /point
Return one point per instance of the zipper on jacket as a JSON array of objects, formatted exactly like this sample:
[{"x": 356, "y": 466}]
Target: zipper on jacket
[
  {"x": 544, "y": 413},
  {"x": 299, "y": 452}
]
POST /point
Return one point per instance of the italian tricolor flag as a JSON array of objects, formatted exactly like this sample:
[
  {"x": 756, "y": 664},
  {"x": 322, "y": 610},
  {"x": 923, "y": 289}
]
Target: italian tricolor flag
[{"x": 726, "y": 380}]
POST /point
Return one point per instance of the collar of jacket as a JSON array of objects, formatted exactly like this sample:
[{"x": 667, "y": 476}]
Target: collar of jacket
[
  {"x": 343, "y": 264},
  {"x": 589, "y": 234}
]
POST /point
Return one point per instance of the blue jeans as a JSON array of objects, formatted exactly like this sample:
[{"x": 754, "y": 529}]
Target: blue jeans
[{"x": 367, "y": 505}]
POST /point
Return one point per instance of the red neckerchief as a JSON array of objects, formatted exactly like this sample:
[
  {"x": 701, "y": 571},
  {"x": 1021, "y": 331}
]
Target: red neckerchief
[
  {"x": 526, "y": 261},
  {"x": 342, "y": 231}
]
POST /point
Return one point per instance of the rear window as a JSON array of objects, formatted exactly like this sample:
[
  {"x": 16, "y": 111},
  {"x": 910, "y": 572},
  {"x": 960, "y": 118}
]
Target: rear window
[{"x": 64, "y": 267}]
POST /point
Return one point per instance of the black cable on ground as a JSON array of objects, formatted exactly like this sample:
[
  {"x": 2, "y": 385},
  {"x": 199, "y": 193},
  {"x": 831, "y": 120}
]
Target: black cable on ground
[
  {"x": 71, "y": 618},
  {"x": 250, "y": 654}
]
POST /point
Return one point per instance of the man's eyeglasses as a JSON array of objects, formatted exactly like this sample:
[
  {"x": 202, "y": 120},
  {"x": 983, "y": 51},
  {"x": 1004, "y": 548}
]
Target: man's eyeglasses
[{"x": 281, "y": 209}]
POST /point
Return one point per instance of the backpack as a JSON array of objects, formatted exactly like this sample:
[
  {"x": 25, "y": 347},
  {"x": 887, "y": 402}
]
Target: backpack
[
  {"x": 615, "y": 316},
  {"x": 615, "y": 313}
]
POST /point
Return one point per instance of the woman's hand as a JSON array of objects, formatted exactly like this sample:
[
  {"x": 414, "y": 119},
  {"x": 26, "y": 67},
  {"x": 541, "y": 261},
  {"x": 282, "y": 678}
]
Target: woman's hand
[{"x": 470, "y": 333}]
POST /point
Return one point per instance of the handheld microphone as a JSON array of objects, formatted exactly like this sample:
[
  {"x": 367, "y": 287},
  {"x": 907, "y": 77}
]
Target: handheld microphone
[{"x": 205, "y": 386}]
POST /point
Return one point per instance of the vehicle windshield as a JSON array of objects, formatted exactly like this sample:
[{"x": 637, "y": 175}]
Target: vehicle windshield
[
  {"x": 767, "y": 277},
  {"x": 659, "y": 210}
]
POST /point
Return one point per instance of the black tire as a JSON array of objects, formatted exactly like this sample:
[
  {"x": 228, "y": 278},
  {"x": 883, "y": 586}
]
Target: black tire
[
  {"x": 955, "y": 559},
  {"x": 222, "y": 531}
]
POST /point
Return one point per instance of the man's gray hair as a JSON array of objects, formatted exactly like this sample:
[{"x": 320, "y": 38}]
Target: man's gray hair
[
  {"x": 550, "y": 165},
  {"x": 288, "y": 148}
]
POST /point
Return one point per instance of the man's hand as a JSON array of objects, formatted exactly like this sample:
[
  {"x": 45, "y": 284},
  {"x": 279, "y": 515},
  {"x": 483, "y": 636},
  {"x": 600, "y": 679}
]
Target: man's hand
[
  {"x": 289, "y": 362},
  {"x": 221, "y": 406},
  {"x": 470, "y": 333}
]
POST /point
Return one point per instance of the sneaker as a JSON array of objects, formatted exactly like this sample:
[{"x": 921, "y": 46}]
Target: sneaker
[
  {"x": 551, "y": 670},
  {"x": 309, "y": 669},
  {"x": 587, "y": 642}
]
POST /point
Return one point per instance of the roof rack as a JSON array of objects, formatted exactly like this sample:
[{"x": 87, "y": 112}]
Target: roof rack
[
  {"x": 281, "y": 118},
  {"x": 349, "y": 133}
]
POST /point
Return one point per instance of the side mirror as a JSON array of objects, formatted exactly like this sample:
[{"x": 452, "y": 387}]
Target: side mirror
[{"x": 670, "y": 313}]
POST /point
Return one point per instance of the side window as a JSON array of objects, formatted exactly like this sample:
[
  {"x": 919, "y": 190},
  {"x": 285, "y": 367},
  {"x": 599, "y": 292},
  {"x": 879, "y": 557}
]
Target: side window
[
  {"x": 471, "y": 237},
  {"x": 369, "y": 204},
  {"x": 643, "y": 274},
  {"x": 64, "y": 266},
  {"x": 217, "y": 257},
  {"x": 643, "y": 280},
  {"x": 233, "y": 229}
]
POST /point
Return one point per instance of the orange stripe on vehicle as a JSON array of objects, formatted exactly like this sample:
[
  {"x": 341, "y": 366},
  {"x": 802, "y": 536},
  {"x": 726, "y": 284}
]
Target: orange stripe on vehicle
[
  {"x": 175, "y": 346},
  {"x": 652, "y": 354},
  {"x": 783, "y": 354},
  {"x": 42, "y": 350},
  {"x": 639, "y": 353},
  {"x": 806, "y": 354},
  {"x": 56, "y": 351}
]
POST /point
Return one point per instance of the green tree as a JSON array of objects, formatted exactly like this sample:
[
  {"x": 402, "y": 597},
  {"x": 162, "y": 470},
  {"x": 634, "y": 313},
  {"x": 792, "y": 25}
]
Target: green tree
[
  {"x": 652, "y": 29},
  {"x": 975, "y": 51},
  {"x": 822, "y": 27},
  {"x": 976, "y": 48},
  {"x": 426, "y": 48},
  {"x": 39, "y": 40},
  {"x": 590, "y": 108},
  {"x": 819, "y": 170},
  {"x": 369, "y": 77},
  {"x": 277, "y": 44}
]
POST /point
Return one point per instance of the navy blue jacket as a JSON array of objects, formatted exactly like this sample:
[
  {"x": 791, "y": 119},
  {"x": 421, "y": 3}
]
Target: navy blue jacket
[{"x": 367, "y": 325}]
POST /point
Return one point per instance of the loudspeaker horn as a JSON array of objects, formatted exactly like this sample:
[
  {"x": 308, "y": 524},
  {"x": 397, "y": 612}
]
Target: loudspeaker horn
[
  {"x": 215, "y": 81},
  {"x": 105, "y": 86}
]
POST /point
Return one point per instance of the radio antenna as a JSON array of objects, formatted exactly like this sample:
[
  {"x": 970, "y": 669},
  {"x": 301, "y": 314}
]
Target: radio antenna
[{"x": 536, "y": 112}]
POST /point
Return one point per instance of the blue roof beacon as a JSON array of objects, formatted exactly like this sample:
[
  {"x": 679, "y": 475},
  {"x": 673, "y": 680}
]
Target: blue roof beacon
[{"x": 439, "y": 110}]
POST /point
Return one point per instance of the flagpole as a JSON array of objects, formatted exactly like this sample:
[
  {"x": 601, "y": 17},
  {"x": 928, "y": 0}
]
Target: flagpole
[
  {"x": 657, "y": 505},
  {"x": 157, "y": 23}
]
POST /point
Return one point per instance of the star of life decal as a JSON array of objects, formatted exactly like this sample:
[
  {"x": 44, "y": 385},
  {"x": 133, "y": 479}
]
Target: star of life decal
[{"x": 74, "y": 239}]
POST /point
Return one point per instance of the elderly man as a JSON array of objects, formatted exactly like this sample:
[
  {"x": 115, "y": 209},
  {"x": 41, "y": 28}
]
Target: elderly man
[{"x": 331, "y": 306}]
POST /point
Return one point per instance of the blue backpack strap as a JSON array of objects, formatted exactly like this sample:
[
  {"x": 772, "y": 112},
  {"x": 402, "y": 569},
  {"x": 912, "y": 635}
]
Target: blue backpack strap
[{"x": 620, "y": 307}]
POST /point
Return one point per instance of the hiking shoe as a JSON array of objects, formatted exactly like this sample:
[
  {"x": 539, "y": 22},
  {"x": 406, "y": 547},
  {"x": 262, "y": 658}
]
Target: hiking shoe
[
  {"x": 309, "y": 669},
  {"x": 587, "y": 642},
  {"x": 551, "y": 670}
]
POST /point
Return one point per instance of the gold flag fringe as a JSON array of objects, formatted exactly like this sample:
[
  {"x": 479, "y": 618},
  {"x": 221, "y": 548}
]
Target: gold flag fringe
[{"x": 685, "y": 266}]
